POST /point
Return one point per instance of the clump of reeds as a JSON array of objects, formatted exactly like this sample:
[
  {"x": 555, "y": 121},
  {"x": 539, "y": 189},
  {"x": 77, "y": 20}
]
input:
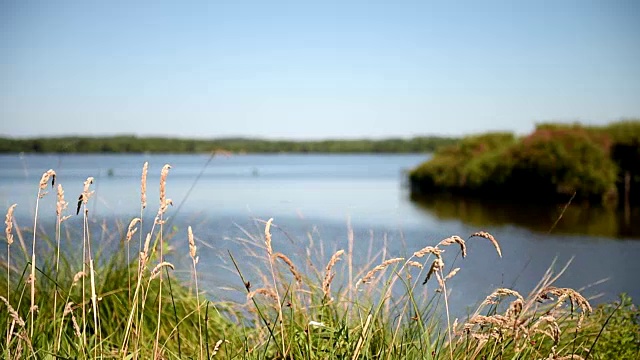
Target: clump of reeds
[{"x": 305, "y": 317}]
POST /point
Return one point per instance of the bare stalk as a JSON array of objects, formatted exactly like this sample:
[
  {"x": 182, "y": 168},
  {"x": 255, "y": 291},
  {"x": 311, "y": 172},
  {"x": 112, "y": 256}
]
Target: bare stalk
[
  {"x": 194, "y": 259},
  {"x": 142, "y": 260},
  {"x": 44, "y": 181},
  {"x": 267, "y": 236},
  {"x": 134, "y": 302},
  {"x": 86, "y": 194},
  {"x": 443, "y": 283},
  {"x": 61, "y": 205},
  {"x": 164, "y": 204},
  {"x": 8, "y": 232}
]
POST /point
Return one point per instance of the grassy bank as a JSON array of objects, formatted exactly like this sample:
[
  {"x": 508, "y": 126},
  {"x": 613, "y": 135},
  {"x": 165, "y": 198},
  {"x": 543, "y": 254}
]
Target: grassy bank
[
  {"x": 131, "y": 303},
  {"x": 553, "y": 164}
]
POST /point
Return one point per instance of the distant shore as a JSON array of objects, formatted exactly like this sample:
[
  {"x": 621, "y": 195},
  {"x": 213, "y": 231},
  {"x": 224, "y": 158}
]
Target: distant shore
[{"x": 134, "y": 144}]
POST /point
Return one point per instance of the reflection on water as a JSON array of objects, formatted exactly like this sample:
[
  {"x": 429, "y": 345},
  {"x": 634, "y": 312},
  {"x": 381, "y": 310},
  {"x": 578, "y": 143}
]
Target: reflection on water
[{"x": 577, "y": 219}]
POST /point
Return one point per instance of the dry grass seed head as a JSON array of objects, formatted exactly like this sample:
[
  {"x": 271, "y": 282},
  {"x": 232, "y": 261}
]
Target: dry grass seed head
[
  {"x": 147, "y": 242},
  {"x": 192, "y": 245},
  {"x": 292, "y": 267},
  {"x": 131, "y": 230},
  {"x": 455, "y": 239},
  {"x": 414, "y": 264},
  {"x": 216, "y": 348},
  {"x": 574, "y": 297},
  {"x": 515, "y": 308},
  {"x": 492, "y": 298},
  {"x": 368, "y": 276},
  {"x": 264, "y": 292},
  {"x": 455, "y": 325},
  {"x": 552, "y": 330},
  {"x": 163, "y": 209},
  {"x": 61, "y": 204},
  {"x": 143, "y": 185},
  {"x": 452, "y": 273},
  {"x": 481, "y": 320},
  {"x": 163, "y": 184},
  {"x": 68, "y": 309},
  {"x": 156, "y": 270},
  {"x": 86, "y": 194},
  {"x": 428, "y": 250},
  {"x": 267, "y": 237},
  {"x": 8, "y": 221},
  {"x": 12, "y": 312},
  {"x": 570, "y": 357},
  {"x": 142, "y": 261},
  {"x": 486, "y": 235},
  {"x": 440, "y": 281},
  {"x": 328, "y": 275},
  {"x": 44, "y": 180},
  {"x": 77, "y": 277},
  {"x": 144, "y": 254},
  {"x": 436, "y": 266}
]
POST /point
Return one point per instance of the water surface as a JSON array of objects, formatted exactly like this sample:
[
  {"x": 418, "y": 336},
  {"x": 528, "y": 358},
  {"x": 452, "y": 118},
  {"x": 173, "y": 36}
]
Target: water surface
[{"x": 315, "y": 197}]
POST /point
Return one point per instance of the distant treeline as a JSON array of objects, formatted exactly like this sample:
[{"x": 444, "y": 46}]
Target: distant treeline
[
  {"x": 553, "y": 164},
  {"x": 133, "y": 144}
]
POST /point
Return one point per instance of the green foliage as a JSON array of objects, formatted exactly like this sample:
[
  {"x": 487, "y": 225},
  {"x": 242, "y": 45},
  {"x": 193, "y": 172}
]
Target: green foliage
[
  {"x": 620, "y": 338},
  {"x": 132, "y": 144},
  {"x": 561, "y": 162},
  {"x": 464, "y": 165},
  {"x": 625, "y": 132},
  {"x": 114, "y": 279},
  {"x": 549, "y": 165}
]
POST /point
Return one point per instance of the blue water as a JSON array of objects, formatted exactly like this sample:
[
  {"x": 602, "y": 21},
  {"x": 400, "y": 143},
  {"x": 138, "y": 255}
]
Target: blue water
[{"x": 313, "y": 198}]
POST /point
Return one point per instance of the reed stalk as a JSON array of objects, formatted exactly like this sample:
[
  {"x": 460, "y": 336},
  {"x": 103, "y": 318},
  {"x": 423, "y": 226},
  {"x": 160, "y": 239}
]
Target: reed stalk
[
  {"x": 9, "y": 234},
  {"x": 44, "y": 181}
]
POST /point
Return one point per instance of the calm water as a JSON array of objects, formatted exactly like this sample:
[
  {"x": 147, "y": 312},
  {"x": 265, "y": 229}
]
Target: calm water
[{"x": 316, "y": 196}]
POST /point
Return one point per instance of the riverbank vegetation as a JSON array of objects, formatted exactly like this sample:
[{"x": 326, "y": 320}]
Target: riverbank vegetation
[
  {"x": 133, "y": 144},
  {"x": 555, "y": 163},
  {"x": 78, "y": 301}
]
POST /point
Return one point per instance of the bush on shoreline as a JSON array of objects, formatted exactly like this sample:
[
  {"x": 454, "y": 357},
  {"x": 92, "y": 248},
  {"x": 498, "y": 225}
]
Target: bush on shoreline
[{"x": 550, "y": 165}]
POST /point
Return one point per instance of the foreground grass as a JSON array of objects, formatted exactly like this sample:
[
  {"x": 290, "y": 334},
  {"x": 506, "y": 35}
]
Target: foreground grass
[{"x": 81, "y": 305}]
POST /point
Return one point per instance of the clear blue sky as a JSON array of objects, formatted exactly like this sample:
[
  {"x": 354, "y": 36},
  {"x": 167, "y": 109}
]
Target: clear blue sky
[{"x": 302, "y": 69}]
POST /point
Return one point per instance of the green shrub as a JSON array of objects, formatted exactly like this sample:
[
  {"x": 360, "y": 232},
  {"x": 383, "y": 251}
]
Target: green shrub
[
  {"x": 562, "y": 162},
  {"x": 552, "y": 164},
  {"x": 458, "y": 166}
]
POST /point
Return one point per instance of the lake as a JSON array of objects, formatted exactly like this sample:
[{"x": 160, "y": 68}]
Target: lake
[{"x": 315, "y": 198}]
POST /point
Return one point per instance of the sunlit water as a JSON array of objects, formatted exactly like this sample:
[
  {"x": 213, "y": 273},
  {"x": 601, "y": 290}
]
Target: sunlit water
[{"x": 315, "y": 198}]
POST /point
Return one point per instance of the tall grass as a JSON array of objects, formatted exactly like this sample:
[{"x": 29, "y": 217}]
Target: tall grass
[{"x": 296, "y": 307}]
